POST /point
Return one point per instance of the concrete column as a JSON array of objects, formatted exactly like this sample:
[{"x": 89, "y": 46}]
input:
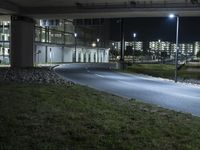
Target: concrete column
[
  {"x": 62, "y": 59},
  {"x": 46, "y": 54},
  {"x": 22, "y": 39},
  {"x": 35, "y": 55}
]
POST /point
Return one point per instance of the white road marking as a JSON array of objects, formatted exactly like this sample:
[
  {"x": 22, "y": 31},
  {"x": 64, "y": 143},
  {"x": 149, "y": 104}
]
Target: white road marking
[{"x": 100, "y": 75}]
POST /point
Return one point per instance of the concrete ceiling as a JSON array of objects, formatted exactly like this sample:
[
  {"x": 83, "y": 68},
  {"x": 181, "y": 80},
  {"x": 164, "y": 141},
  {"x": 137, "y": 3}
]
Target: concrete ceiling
[
  {"x": 48, "y": 3},
  {"x": 99, "y": 8}
]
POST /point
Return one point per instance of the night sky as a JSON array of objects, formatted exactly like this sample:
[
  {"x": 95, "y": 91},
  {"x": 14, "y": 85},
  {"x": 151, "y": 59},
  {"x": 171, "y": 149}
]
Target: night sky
[{"x": 149, "y": 29}]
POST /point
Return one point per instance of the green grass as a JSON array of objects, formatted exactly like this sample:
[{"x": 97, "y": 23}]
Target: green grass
[
  {"x": 157, "y": 70},
  {"x": 49, "y": 117},
  {"x": 164, "y": 70}
]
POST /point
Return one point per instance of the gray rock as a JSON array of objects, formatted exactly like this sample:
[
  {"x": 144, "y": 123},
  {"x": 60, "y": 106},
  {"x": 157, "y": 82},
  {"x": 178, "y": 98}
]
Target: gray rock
[{"x": 41, "y": 75}]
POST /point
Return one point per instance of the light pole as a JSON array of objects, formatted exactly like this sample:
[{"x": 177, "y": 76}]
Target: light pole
[
  {"x": 134, "y": 37},
  {"x": 177, "y": 48},
  {"x": 122, "y": 42},
  {"x": 98, "y": 40},
  {"x": 75, "y": 43}
]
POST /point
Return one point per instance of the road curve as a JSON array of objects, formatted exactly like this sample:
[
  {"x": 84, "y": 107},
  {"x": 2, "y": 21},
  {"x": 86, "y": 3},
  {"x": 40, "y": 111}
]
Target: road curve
[{"x": 165, "y": 93}]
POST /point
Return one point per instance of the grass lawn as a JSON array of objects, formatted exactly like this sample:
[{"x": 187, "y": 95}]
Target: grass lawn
[
  {"x": 165, "y": 71},
  {"x": 185, "y": 74},
  {"x": 49, "y": 117}
]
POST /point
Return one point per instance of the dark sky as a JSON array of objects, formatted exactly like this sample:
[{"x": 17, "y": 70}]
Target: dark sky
[{"x": 149, "y": 29}]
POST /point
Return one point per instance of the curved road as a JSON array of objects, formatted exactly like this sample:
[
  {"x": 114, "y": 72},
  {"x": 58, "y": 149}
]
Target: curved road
[{"x": 165, "y": 93}]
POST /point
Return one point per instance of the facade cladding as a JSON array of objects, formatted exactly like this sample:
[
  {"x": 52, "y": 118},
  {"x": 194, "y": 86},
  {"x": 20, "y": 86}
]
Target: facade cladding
[{"x": 59, "y": 41}]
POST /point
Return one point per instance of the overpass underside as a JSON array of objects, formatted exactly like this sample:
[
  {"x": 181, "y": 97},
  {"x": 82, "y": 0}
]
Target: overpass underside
[
  {"x": 24, "y": 12},
  {"x": 99, "y": 8}
]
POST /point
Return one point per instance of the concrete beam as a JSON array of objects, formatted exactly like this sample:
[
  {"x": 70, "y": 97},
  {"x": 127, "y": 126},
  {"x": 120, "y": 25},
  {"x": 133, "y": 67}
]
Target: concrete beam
[
  {"x": 8, "y": 8},
  {"x": 75, "y": 13}
]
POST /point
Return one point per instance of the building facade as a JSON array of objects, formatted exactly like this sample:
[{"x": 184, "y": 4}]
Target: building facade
[
  {"x": 136, "y": 45},
  {"x": 196, "y": 47},
  {"x": 160, "y": 46},
  {"x": 57, "y": 41},
  {"x": 4, "y": 41},
  {"x": 156, "y": 48},
  {"x": 186, "y": 49}
]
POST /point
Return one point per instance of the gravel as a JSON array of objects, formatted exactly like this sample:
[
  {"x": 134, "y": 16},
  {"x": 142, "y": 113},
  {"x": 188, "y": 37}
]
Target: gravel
[
  {"x": 42, "y": 75},
  {"x": 191, "y": 81}
]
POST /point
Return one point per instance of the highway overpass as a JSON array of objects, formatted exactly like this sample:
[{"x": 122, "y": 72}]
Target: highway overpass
[
  {"x": 24, "y": 12},
  {"x": 99, "y": 8}
]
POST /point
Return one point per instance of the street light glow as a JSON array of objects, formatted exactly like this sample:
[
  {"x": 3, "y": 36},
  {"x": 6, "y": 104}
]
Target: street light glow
[
  {"x": 93, "y": 44},
  {"x": 75, "y": 34},
  {"x": 134, "y": 35},
  {"x": 172, "y": 16},
  {"x": 98, "y": 39}
]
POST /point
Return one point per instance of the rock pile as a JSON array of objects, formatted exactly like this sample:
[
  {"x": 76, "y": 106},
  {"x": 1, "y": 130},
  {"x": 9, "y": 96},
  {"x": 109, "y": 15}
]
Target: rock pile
[
  {"x": 191, "y": 81},
  {"x": 32, "y": 75}
]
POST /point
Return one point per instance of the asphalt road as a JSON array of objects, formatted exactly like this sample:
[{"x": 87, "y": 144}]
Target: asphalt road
[{"x": 165, "y": 93}]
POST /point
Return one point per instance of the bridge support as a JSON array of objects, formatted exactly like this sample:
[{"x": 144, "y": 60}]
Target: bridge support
[{"x": 22, "y": 39}]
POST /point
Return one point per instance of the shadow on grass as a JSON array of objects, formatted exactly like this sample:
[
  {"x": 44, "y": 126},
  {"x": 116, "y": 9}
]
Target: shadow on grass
[{"x": 49, "y": 117}]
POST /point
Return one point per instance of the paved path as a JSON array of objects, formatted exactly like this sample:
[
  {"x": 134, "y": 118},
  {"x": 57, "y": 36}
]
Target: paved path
[{"x": 165, "y": 93}]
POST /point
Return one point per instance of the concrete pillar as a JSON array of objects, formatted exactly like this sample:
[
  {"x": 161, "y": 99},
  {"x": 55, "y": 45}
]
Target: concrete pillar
[
  {"x": 22, "y": 39},
  {"x": 62, "y": 59},
  {"x": 46, "y": 54}
]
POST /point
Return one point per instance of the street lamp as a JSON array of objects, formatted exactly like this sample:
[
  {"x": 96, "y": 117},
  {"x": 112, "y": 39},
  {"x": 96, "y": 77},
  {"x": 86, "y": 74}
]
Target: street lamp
[
  {"x": 134, "y": 37},
  {"x": 75, "y": 38},
  {"x": 98, "y": 40},
  {"x": 177, "y": 48},
  {"x": 94, "y": 45}
]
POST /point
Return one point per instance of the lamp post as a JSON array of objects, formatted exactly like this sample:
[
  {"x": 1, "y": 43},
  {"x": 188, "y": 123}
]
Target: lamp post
[
  {"x": 75, "y": 43},
  {"x": 98, "y": 40},
  {"x": 122, "y": 42},
  {"x": 134, "y": 37},
  {"x": 177, "y": 48}
]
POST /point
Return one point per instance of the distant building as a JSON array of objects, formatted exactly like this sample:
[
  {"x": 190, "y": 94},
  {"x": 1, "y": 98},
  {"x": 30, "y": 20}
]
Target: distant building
[
  {"x": 173, "y": 48},
  {"x": 196, "y": 47},
  {"x": 170, "y": 48},
  {"x": 136, "y": 45},
  {"x": 160, "y": 46},
  {"x": 115, "y": 45},
  {"x": 157, "y": 47},
  {"x": 186, "y": 48}
]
